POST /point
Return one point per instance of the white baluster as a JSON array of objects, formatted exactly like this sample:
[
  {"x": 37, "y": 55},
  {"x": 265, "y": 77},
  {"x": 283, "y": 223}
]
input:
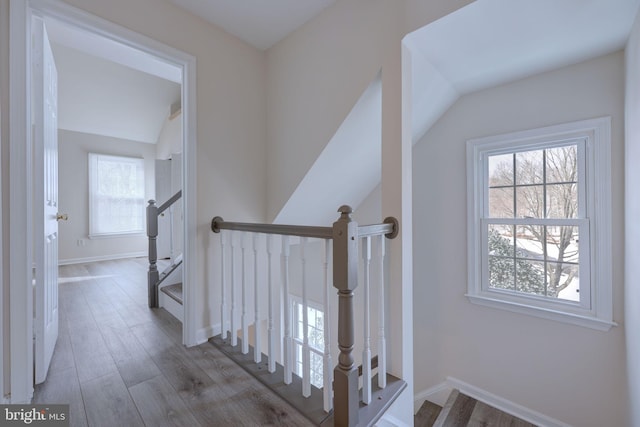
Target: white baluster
[
  {"x": 271, "y": 330},
  {"x": 327, "y": 369},
  {"x": 306, "y": 354},
  {"x": 257, "y": 349},
  {"x": 223, "y": 284},
  {"x": 382, "y": 344},
  {"x": 245, "y": 320},
  {"x": 366, "y": 352},
  {"x": 287, "y": 362},
  {"x": 234, "y": 285}
]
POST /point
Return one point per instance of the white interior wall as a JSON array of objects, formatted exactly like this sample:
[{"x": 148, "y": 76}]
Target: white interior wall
[
  {"x": 73, "y": 185},
  {"x": 571, "y": 373},
  {"x": 170, "y": 138},
  {"x": 314, "y": 78},
  {"x": 632, "y": 226}
]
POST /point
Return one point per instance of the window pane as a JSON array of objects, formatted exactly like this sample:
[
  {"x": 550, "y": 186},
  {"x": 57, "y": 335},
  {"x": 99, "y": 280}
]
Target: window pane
[
  {"x": 529, "y": 240},
  {"x": 563, "y": 258},
  {"x": 562, "y": 164},
  {"x": 530, "y": 277},
  {"x": 501, "y": 202},
  {"x": 501, "y": 273},
  {"x": 530, "y": 201},
  {"x": 501, "y": 240},
  {"x": 562, "y": 243},
  {"x": 529, "y": 168},
  {"x": 316, "y": 370},
  {"x": 501, "y": 170},
  {"x": 570, "y": 283},
  {"x": 562, "y": 201},
  {"x": 316, "y": 338},
  {"x": 116, "y": 190}
]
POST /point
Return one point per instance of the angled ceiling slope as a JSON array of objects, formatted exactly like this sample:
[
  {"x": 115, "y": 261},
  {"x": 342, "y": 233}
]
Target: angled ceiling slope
[
  {"x": 347, "y": 170},
  {"x": 492, "y": 42},
  {"x": 108, "y": 88}
]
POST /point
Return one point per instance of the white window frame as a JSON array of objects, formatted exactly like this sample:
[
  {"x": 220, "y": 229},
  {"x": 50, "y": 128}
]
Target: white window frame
[
  {"x": 298, "y": 341},
  {"x": 595, "y": 309},
  {"x": 93, "y": 159}
]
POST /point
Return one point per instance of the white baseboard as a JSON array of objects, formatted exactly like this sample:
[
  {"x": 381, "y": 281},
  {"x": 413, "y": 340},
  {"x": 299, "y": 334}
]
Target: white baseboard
[
  {"x": 437, "y": 394},
  {"x": 101, "y": 258},
  {"x": 434, "y": 394},
  {"x": 390, "y": 421}
]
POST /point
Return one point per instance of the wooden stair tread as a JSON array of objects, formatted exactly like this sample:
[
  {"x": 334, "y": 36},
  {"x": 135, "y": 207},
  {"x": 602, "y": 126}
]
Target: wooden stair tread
[
  {"x": 174, "y": 292},
  {"x": 462, "y": 411},
  {"x": 427, "y": 414}
]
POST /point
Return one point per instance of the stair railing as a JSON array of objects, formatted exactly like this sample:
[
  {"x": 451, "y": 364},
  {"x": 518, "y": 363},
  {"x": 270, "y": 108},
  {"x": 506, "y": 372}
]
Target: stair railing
[
  {"x": 344, "y": 239},
  {"x": 153, "y": 276}
]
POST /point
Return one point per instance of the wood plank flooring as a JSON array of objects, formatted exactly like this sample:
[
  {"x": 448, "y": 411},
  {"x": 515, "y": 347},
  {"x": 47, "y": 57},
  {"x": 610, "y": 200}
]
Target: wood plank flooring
[{"x": 119, "y": 363}]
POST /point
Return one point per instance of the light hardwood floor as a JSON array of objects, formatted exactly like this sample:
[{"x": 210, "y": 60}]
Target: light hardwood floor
[{"x": 119, "y": 363}]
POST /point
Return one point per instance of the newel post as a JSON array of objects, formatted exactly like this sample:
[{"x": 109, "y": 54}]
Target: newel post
[
  {"x": 152, "y": 234},
  {"x": 345, "y": 279}
]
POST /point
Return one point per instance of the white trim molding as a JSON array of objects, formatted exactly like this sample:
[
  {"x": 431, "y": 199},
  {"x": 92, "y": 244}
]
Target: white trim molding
[
  {"x": 592, "y": 139},
  {"x": 435, "y": 395},
  {"x": 112, "y": 257},
  {"x": 20, "y": 204}
]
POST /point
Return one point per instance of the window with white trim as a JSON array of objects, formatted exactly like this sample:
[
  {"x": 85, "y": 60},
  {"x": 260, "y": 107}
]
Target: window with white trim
[
  {"x": 539, "y": 222},
  {"x": 116, "y": 195},
  {"x": 315, "y": 334}
]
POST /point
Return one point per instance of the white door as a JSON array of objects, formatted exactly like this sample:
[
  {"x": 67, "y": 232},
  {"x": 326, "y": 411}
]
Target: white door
[{"x": 45, "y": 202}]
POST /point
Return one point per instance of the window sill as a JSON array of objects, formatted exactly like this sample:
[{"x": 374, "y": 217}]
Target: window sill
[{"x": 544, "y": 313}]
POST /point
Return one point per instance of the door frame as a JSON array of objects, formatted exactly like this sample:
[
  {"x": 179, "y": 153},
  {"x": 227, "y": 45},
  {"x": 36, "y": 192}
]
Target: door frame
[{"x": 20, "y": 176}]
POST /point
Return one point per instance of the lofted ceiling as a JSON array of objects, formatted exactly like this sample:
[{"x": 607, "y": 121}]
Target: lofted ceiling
[
  {"x": 258, "y": 22},
  {"x": 107, "y": 88},
  {"x": 492, "y": 42}
]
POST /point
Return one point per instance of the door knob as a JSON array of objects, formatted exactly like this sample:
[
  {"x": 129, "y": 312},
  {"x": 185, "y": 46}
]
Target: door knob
[{"x": 63, "y": 217}]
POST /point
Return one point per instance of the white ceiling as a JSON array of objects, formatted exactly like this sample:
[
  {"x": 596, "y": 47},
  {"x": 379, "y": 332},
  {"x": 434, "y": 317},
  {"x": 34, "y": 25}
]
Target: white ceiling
[
  {"x": 260, "y": 23},
  {"x": 491, "y": 42},
  {"x": 108, "y": 88}
]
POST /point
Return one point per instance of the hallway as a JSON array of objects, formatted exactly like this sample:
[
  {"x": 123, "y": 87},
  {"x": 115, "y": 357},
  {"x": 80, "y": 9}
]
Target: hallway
[{"x": 119, "y": 363}]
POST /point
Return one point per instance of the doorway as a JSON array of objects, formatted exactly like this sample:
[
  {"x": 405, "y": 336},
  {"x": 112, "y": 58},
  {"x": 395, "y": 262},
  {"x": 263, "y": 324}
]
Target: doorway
[{"x": 20, "y": 238}]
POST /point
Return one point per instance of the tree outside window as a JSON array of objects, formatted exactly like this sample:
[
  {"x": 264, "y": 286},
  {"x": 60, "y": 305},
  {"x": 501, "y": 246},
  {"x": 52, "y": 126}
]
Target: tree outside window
[{"x": 534, "y": 258}]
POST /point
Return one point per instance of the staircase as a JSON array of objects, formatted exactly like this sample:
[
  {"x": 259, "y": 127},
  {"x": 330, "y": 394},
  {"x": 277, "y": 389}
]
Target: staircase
[
  {"x": 170, "y": 286},
  {"x": 461, "y": 410},
  {"x": 165, "y": 288}
]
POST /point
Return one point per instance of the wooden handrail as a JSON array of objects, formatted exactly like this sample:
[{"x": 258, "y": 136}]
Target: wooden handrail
[
  {"x": 218, "y": 224},
  {"x": 389, "y": 228},
  {"x": 163, "y": 207}
]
